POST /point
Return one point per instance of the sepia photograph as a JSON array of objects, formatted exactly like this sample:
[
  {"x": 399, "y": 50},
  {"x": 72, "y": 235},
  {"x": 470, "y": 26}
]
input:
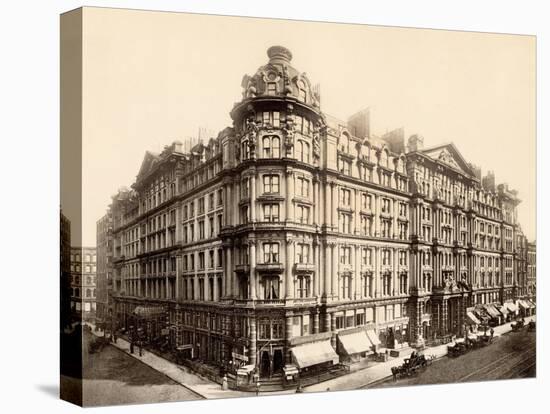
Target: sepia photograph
[{"x": 258, "y": 206}]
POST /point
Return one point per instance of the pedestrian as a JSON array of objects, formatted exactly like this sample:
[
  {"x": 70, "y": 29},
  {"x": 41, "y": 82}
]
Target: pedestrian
[
  {"x": 258, "y": 388},
  {"x": 299, "y": 389},
  {"x": 132, "y": 347},
  {"x": 492, "y": 332},
  {"x": 140, "y": 346},
  {"x": 114, "y": 337},
  {"x": 224, "y": 383}
]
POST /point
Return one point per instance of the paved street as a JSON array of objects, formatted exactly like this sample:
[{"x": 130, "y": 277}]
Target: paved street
[
  {"x": 113, "y": 377},
  {"x": 512, "y": 355}
]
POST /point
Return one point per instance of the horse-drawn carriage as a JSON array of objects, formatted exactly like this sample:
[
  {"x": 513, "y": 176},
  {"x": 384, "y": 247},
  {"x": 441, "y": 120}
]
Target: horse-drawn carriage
[
  {"x": 460, "y": 348},
  {"x": 411, "y": 365},
  {"x": 517, "y": 326},
  {"x": 531, "y": 326},
  {"x": 97, "y": 344}
]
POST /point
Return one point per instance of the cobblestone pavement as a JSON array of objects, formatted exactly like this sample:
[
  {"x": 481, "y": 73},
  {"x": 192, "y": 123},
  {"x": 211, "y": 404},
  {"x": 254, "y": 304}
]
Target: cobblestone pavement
[{"x": 112, "y": 377}]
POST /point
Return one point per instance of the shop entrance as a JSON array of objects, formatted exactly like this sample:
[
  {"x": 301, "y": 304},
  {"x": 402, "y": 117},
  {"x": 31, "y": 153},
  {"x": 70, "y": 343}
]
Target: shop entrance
[
  {"x": 265, "y": 364},
  {"x": 278, "y": 361}
]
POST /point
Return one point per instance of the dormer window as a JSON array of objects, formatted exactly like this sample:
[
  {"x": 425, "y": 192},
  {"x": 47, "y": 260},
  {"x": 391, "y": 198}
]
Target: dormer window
[{"x": 271, "y": 88}]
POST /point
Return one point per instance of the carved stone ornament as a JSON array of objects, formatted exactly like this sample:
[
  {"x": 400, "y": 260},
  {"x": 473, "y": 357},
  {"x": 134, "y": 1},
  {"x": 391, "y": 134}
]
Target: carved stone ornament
[
  {"x": 288, "y": 130},
  {"x": 252, "y": 131},
  {"x": 316, "y": 140}
]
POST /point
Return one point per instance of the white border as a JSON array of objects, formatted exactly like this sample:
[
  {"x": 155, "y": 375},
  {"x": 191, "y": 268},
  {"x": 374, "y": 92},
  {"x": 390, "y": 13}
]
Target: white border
[{"x": 29, "y": 131}]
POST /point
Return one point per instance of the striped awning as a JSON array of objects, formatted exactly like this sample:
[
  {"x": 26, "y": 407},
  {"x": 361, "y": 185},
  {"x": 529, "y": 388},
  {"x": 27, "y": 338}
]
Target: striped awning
[
  {"x": 472, "y": 319},
  {"x": 524, "y": 304},
  {"x": 491, "y": 310}
]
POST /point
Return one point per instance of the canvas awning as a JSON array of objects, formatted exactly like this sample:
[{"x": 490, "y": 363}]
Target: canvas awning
[
  {"x": 314, "y": 353},
  {"x": 524, "y": 304},
  {"x": 373, "y": 338},
  {"x": 531, "y": 303},
  {"x": 502, "y": 309},
  {"x": 472, "y": 318},
  {"x": 511, "y": 306},
  {"x": 355, "y": 343},
  {"x": 491, "y": 310},
  {"x": 245, "y": 370},
  {"x": 290, "y": 369}
]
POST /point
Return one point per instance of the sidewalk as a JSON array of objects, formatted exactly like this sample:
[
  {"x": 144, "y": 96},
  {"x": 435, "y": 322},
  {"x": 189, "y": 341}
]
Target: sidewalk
[
  {"x": 381, "y": 371},
  {"x": 358, "y": 378},
  {"x": 182, "y": 375}
]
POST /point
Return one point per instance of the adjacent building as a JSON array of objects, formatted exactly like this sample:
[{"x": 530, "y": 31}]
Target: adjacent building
[
  {"x": 532, "y": 271},
  {"x": 294, "y": 240},
  {"x": 83, "y": 283},
  {"x": 65, "y": 271},
  {"x": 104, "y": 279}
]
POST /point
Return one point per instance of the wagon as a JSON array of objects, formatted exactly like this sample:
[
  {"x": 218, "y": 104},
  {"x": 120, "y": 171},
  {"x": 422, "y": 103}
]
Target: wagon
[
  {"x": 531, "y": 326},
  {"x": 518, "y": 325}
]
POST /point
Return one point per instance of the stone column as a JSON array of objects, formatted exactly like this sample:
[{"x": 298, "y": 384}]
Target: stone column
[
  {"x": 444, "y": 316},
  {"x": 289, "y": 277},
  {"x": 377, "y": 202},
  {"x": 334, "y": 207},
  {"x": 357, "y": 274},
  {"x": 316, "y": 274},
  {"x": 334, "y": 284},
  {"x": 253, "y": 197},
  {"x": 327, "y": 322},
  {"x": 333, "y": 329},
  {"x": 327, "y": 271},
  {"x": 289, "y": 177},
  {"x": 356, "y": 217},
  {"x": 377, "y": 265},
  {"x": 316, "y": 321},
  {"x": 288, "y": 335},
  {"x": 316, "y": 202},
  {"x": 252, "y": 340},
  {"x": 252, "y": 281}
]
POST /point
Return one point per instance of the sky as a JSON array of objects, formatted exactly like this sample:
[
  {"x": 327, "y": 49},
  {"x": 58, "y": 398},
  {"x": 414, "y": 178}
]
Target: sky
[{"x": 150, "y": 78}]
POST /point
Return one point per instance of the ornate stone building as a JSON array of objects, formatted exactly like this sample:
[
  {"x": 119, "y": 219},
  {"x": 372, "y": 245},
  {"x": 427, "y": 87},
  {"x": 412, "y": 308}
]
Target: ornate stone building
[{"x": 294, "y": 239}]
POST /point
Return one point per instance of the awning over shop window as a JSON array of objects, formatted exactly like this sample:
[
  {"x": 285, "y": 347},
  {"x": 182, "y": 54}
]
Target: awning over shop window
[
  {"x": 314, "y": 353},
  {"x": 373, "y": 338},
  {"x": 533, "y": 305},
  {"x": 355, "y": 343},
  {"x": 472, "y": 318},
  {"x": 290, "y": 369},
  {"x": 491, "y": 310},
  {"x": 524, "y": 304},
  {"x": 511, "y": 306},
  {"x": 502, "y": 309},
  {"x": 245, "y": 370}
]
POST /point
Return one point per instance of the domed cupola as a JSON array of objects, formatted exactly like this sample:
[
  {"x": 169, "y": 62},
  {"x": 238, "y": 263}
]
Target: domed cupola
[{"x": 278, "y": 78}]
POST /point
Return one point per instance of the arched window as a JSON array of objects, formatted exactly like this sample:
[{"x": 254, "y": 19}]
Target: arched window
[
  {"x": 344, "y": 143},
  {"x": 88, "y": 293},
  {"x": 244, "y": 149},
  {"x": 384, "y": 158},
  {"x": 271, "y": 146}
]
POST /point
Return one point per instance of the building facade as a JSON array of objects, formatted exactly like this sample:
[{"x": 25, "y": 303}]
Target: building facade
[
  {"x": 65, "y": 271},
  {"x": 293, "y": 236},
  {"x": 83, "y": 283},
  {"x": 104, "y": 267},
  {"x": 532, "y": 271}
]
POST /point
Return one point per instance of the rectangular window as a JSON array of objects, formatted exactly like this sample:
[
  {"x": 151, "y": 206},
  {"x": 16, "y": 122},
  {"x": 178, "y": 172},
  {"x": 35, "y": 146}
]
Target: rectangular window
[
  {"x": 271, "y": 184},
  {"x": 271, "y": 252},
  {"x": 271, "y": 212},
  {"x": 302, "y": 253},
  {"x": 302, "y": 214}
]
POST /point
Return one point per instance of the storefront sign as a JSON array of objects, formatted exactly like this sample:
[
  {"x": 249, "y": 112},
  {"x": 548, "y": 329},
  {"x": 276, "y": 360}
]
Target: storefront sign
[{"x": 239, "y": 356}]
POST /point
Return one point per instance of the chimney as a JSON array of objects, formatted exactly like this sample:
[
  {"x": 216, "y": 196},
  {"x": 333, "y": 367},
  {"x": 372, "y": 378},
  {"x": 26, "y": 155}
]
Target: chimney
[
  {"x": 415, "y": 143},
  {"x": 359, "y": 124},
  {"x": 488, "y": 182},
  {"x": 177, "y": 146}
]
